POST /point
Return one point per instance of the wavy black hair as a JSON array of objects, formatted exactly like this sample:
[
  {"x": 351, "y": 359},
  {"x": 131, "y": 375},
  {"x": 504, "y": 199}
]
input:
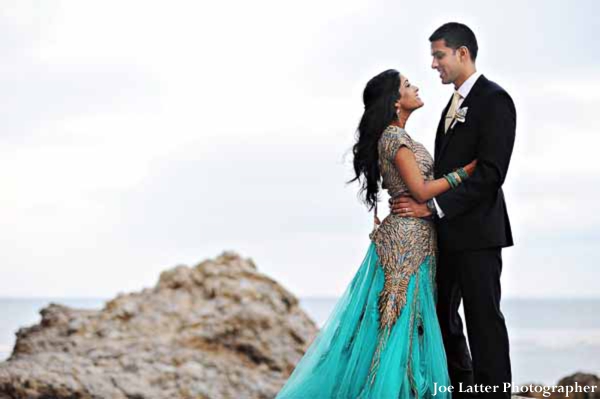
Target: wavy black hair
[{"x": 379, "y": 97}]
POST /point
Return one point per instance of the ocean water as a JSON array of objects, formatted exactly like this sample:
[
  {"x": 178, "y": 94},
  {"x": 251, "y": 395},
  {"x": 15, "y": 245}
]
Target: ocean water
[{"x": 549, "y": 338}]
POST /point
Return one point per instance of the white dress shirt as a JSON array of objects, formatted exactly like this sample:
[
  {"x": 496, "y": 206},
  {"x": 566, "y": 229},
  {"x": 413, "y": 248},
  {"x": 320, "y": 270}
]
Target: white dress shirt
[{"x": 463, "y": 90}]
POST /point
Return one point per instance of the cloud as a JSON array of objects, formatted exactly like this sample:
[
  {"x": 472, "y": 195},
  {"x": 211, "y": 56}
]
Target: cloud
[{"x": 137, "y": 136}]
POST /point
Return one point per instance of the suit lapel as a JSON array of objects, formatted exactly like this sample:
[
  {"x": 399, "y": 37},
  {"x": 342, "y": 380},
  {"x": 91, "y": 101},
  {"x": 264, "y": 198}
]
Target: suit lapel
[
  {"x": 439, "y": 136},
  {"x": 475, "y": 91}
]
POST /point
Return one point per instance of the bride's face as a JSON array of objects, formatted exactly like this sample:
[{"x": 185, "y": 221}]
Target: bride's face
[{"x": 409, "y": 96}]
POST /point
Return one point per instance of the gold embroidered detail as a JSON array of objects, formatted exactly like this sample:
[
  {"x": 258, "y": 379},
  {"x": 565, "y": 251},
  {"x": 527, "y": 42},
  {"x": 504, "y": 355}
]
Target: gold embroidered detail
[
  {"x": 391, "y": 140},
  {"x": 402, "y": 245},
  {"x": 415, "y": 313},
  {"x": 382, "y": 338}
]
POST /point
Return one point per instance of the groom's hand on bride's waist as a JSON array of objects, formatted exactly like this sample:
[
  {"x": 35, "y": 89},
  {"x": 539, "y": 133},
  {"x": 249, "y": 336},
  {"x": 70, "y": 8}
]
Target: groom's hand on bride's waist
[{"x": 406, "y": 206}]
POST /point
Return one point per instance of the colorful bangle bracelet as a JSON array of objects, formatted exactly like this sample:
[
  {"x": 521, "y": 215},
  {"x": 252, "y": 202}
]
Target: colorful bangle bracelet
[
  {"x": 462, "y": 173},
  {"x": 451, "y": 180},
  {"x": 457, "y": 177},
  {"x": 448, "y": 180}
]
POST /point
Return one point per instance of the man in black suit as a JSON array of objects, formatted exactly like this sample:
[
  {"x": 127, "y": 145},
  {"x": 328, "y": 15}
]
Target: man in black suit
[{"x": 472, "y": 221}]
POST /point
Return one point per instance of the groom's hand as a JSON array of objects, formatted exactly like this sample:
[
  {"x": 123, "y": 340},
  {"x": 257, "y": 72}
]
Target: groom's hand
[{"x": 406, "y": 206}]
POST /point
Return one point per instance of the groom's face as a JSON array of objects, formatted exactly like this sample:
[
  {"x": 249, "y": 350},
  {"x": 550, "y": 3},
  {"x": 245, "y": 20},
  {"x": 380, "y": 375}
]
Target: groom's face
[{"x": 445, "y": 60}]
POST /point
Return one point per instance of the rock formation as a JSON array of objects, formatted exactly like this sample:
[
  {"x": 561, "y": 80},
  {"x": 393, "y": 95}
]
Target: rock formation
[
  {"x": 217, "y": 330},
  {"x": 582, "y": 380}
]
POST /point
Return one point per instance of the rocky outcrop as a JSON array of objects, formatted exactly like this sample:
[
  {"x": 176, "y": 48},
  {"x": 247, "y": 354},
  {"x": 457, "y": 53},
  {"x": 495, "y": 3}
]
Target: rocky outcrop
[
  {"x": 582, "y": 379},
  {"x": 220, "y": 329},
  {"x": 577, "y": 381}
]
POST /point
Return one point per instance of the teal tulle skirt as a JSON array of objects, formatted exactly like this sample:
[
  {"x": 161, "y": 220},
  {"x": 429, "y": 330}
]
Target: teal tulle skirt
[{"x": 339, "y": 361}]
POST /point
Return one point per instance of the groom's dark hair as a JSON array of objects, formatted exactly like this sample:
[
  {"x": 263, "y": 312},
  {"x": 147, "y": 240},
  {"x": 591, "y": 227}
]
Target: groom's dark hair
[{"x": 456, "y": 35}]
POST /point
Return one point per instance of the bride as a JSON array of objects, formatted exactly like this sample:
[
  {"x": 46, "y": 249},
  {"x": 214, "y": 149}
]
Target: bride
[{"x": 382, "y": 339}]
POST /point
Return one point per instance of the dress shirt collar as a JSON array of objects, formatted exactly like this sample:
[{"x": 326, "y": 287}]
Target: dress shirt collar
[{"x": 467, "y": 85}]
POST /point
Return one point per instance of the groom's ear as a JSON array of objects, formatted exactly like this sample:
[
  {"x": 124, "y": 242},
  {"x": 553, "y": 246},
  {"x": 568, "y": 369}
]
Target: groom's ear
[{"x": 464, "y": 53}]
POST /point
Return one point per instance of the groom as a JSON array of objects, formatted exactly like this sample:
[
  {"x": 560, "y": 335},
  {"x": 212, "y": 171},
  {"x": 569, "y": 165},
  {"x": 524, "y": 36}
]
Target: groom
[{"x": 472, "y": 222}]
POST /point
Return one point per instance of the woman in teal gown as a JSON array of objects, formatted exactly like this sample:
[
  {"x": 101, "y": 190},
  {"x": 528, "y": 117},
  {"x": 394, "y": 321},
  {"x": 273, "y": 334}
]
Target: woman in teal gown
[{"x": 382, "y": 339}]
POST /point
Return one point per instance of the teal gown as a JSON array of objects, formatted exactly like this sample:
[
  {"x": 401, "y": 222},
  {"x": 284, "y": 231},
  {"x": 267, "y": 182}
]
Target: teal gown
[{"x": 382, "y": 340}]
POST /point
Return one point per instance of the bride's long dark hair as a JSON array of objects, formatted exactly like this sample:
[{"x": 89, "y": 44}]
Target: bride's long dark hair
[{"x": 379, "y": 97}]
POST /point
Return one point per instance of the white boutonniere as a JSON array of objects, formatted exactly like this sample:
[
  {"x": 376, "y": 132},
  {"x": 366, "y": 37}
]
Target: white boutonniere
[{"x": 460, "y": 115}]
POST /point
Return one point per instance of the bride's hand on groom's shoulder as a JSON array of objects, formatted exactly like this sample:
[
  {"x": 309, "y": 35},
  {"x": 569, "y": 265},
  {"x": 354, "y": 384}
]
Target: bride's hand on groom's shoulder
[{"x": 406, "y": 206}]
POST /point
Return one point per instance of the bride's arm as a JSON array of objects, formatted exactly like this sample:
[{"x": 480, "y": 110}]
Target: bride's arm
[{"x": 421, "y": 190}]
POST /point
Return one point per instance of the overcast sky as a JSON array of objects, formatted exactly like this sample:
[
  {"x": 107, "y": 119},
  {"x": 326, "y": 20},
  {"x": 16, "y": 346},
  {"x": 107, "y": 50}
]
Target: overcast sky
[{"x": 136, "y": 136}]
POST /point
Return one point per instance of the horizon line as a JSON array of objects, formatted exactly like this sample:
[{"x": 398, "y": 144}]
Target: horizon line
[{"x": 300, "y": 297}]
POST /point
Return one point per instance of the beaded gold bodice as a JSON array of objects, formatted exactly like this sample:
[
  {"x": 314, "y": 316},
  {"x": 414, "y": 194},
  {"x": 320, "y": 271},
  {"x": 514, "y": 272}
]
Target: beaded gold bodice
[
  {"x": 402, "y": 243},
  {"x": 391, "y": 140}
]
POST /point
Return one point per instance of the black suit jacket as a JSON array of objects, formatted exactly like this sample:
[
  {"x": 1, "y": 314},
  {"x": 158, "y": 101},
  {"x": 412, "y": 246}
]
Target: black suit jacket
[{"x": 475, "y": 212}]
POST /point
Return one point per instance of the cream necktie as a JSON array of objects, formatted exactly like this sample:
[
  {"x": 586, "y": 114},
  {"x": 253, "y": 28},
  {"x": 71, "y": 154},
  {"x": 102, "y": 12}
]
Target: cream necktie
[{"x": 451, "y": 110}]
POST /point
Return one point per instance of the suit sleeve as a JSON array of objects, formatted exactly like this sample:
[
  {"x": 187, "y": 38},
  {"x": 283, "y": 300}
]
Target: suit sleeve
[{"x": 494, "y": 150}]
